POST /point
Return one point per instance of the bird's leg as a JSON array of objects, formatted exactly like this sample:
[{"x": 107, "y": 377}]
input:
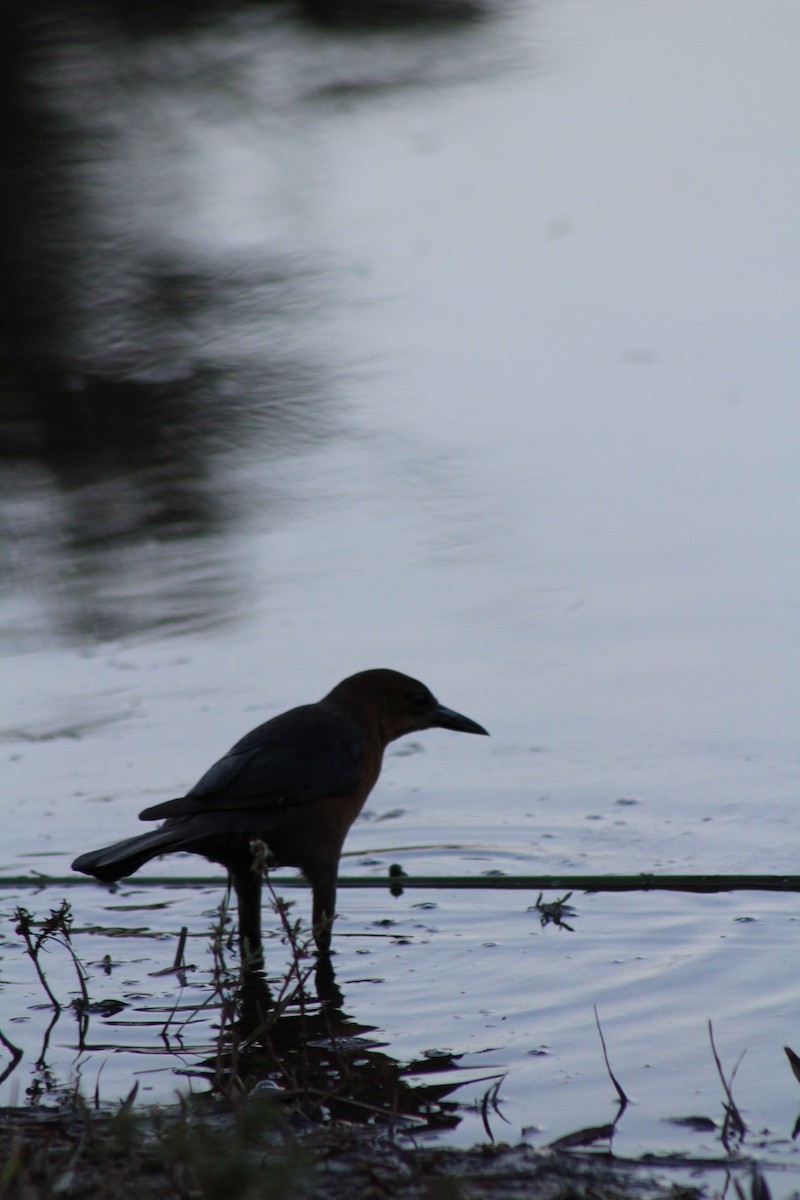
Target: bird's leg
[
  {"x": 329, "y": 993},
  {"x": 247, "y": 884},
  {"x": 323, "y": 884}
]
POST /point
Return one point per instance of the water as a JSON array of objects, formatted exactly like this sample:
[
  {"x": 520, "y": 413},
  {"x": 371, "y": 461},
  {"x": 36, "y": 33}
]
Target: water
[{"x": 470, "y": 352}]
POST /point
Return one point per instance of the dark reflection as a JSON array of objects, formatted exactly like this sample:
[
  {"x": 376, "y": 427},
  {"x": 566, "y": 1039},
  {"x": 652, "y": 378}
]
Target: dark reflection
[
  {"x": 288, "y": 1038},
  {"x": 154, "y": 348},
  {"x": 329, "y": 993},
  {"x": 140, "y": 371},
  {"x": 391, "y": 14},
  {"x": 327, "y": 1066},
  {"x": 256, "y": 1004}
]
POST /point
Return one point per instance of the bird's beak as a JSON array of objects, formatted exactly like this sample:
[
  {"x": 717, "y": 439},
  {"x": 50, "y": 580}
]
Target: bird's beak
[{"x": 446, "y": 718}]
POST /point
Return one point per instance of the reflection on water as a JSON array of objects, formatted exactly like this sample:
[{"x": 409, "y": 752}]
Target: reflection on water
[
  {"x": 331, "y": 1067},
  {"x": 558, "y": 299},
  {"x": 116, "y": 480},
  {"x": 134, "y": 366},
  {"x": 155, "y": 363},
  {"x": 274, "y": 1038},
  {"x": 463, "y": 1021}
]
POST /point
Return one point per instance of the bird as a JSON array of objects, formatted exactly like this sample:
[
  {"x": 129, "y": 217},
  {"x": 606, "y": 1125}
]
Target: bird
[{"x": 286, "y": 794}]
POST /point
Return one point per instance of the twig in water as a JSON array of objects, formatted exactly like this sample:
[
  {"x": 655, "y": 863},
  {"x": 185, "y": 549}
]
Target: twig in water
[
  {"x": 179, "y": 963},
  {"x": 33, "y": 946},
  {"x": 595, "y": 1133},
  {"x": 163, "y": 1032},
  {"x": 302, "y": 955},
  {"x": 97, "y": 1085},
  {"x": 55, "y": 928},
  {"x": 734, "y": 1122},
  {"x": 759, "y": 1188},
  {"x": 179, "y": 966},
  {"x": 16, "y": 1055},
  {"x": 794, "y": 1061},
  {"x": 623, "y": 1099},
  {"x": 488, "y": 1100}
]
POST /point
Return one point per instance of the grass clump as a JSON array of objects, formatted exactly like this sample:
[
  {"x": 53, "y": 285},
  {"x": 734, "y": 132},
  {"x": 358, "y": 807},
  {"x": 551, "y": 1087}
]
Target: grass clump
[{"x": 75, "y": 1150}]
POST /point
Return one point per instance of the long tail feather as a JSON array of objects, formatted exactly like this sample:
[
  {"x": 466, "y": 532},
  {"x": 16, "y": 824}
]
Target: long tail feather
[{"x": 124, "y": 858}]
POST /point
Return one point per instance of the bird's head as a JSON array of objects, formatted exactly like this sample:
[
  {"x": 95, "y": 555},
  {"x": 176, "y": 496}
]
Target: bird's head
[{"x": 402, "y": 704}]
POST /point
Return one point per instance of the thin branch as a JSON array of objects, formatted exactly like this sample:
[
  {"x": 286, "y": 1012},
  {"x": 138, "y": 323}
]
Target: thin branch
[
  {"x": 623, "y": 1099},
  {"x": 16, "y": 1055},
  {"x": 644, "y": 882},
  {"x": 733, "y": 1118}
]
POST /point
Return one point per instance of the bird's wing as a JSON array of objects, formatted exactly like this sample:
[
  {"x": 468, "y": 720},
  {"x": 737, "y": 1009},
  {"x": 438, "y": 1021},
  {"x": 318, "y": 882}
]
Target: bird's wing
[{"x": 299, "y": 756}]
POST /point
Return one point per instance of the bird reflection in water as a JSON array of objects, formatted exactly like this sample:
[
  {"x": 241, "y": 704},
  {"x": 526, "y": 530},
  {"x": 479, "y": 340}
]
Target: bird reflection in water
[{"x": 322, "y": 1065}]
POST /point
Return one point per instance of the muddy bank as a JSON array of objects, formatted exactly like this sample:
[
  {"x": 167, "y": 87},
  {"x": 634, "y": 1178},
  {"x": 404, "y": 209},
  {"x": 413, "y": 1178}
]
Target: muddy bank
[{"x": 255, "y": 1151}]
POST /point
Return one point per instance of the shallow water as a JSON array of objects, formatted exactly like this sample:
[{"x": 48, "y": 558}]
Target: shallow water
[{"x": 471, "y": 352}]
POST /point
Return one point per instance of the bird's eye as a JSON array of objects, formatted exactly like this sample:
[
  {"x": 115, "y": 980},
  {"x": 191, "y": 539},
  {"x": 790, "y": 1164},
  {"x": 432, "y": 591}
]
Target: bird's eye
[{"x": 420, "y": 697}]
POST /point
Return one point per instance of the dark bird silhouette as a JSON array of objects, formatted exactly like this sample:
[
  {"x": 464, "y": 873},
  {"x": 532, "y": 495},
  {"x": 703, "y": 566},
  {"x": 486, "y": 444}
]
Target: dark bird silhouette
[{"x": 286, "y": 795}]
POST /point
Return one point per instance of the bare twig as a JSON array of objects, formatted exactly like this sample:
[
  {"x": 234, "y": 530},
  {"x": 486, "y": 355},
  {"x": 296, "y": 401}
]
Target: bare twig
[
  {"x": 794, "y": 1061},
  {"x": 490, "y": 1100},
  {"x": 734, "y": 1122},
  {"x": 16, "y": 1055},
  {"x": 623, "y": 1099}
]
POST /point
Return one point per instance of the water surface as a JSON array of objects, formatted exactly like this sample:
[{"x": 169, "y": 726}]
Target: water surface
[{"x": 469, "y": 351}]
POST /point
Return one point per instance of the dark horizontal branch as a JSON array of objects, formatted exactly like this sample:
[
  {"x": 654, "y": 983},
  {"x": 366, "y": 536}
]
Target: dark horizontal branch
[{"x": 645, "y": 882}]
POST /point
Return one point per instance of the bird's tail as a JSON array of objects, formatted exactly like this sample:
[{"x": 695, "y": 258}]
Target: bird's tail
[{"x": 124, "y": 858}]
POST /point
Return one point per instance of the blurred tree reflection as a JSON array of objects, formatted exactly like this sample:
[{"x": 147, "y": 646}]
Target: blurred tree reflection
[{"x": 135, "y": 369}]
